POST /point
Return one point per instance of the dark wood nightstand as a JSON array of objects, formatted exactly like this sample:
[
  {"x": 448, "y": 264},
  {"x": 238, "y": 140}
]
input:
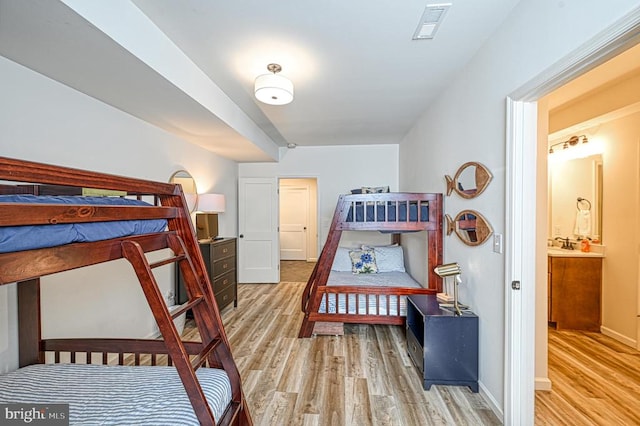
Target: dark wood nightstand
[
  {"x": 220, "y": 261},
  {"x": 443, "y": 346}
]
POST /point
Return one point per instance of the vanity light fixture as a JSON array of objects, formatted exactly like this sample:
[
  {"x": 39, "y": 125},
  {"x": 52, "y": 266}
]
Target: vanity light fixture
[
  {"x": 273, "y": 89},
  {"x": 572, "y": 141}
]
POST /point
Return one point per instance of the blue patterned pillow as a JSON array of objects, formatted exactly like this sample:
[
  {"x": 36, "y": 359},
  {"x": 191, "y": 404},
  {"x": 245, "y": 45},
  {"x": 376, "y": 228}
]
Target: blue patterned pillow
[{"x": 363, "y": 262}]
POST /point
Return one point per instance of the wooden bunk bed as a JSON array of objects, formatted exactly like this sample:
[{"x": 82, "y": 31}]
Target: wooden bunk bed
[
  {"x": 394, "y": 213},
  {"x": 202, "y": 376}
]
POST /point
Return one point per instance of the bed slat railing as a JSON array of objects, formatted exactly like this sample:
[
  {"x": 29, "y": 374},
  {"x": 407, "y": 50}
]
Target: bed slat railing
[{"x": 371, "y": 296}]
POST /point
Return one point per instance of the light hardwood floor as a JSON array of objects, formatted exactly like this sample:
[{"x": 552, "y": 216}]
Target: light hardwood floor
[
  {"x": 362, "y": 378},
  {"x": 595, "y": 379}
]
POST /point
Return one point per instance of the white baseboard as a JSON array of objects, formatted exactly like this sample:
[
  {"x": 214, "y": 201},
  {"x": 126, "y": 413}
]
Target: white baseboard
[
  {"x": 619, "y": 337},
  {"x": 493, "y": 404},
  {"x": 542, "y": 384},
  {"x": 312, "y": 259}
]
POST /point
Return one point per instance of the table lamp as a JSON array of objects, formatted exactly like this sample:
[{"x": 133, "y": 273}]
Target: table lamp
[{"x": 451, "y": 270}]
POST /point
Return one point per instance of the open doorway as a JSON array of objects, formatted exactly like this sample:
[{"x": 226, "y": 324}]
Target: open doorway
[
  {"x": 598, "y": 316},
  {"x": 298, "y": 198},
  {"x": 525, "y": 263}
]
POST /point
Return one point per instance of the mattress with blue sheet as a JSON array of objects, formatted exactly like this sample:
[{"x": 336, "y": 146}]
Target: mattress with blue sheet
[
  {"x": 115, "y": 394},
  {"x": 18, "y": 238}
]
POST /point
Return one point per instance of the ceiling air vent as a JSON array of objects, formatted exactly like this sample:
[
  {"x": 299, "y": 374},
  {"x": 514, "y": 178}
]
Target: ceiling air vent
[{"x": 430, "y": 21}]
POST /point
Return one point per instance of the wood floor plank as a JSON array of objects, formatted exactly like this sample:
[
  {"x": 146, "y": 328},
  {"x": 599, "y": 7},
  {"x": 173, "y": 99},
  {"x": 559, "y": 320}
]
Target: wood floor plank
[
  {"x": 595, "y": 381},
  {"x": 334, "y": 396},
  {"x": 281, "y": 407},
  {"x": 385, "y": 411},
  {"x": 357, "y": 402}
]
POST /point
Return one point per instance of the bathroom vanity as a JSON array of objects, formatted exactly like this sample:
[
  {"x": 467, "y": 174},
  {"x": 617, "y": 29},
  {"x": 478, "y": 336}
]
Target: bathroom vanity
[{"x": 574, "y": 289}]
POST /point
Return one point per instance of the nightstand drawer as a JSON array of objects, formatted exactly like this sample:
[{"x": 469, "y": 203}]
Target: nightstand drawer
[
  {"x": 223, "y": 266},
  {"x": 226, "y": 249},
  {"x": 224, "y": 281},
  {"x": 415, "y": 351},
  {"x": 226, "y": 296}
]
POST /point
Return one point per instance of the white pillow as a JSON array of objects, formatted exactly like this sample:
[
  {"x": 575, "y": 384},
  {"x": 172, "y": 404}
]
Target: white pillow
[
  {"x": 389, "y": 258},
  {"x": 342, "y": 261}
]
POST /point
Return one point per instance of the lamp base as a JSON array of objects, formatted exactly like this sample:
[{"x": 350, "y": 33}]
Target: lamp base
[
  {"x": 206, "y": 225},
  {"x": 444, "y": 297}
]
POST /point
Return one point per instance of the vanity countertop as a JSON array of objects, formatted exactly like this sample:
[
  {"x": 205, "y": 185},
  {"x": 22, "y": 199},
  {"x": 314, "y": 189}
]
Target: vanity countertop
[{"x": 558, "y": 252}]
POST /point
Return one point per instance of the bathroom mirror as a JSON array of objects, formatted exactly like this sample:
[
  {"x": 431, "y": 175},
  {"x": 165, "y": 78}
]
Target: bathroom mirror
[
  {"x": 188, "y": 187},
  {"x": 470, "y": 226},
  {"x": 471, "y": 180},
  {"x": 569, "y": 180}
]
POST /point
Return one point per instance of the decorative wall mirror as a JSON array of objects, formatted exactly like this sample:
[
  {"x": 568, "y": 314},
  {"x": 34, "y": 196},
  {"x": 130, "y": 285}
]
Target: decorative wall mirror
[
  {"x": 470, "y": 226},
  {"x": 471, "y": 180},
  {"x": 188, "y": 187}
]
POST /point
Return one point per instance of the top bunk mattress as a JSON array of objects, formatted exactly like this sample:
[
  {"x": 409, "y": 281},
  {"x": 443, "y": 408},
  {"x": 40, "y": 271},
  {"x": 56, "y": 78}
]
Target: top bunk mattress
[
  {"x": 115, "y": 395},
  {"x": 18, "y": 238}
]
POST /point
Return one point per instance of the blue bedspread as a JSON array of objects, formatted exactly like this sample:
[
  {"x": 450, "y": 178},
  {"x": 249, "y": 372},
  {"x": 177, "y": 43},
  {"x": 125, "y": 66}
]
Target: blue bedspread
[
  {"x": 376, "y": 213},
  {"x": 18, "y": 238}
]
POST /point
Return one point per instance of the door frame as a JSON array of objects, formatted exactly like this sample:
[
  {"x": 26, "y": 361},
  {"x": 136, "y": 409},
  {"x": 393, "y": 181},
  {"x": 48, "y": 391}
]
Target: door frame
[
  {"x": 521, "y": 165},
  {"x": 313, "y": 219}
]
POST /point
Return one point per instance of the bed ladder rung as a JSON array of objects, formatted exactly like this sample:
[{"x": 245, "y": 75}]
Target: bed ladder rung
[
  {"x": 186, "y": 306},
  {"x": 167, "y": 261},
  {"x": 201, "y": 358}
]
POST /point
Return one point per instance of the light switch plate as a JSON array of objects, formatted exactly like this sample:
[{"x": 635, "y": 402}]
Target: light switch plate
[{"x": 497, "y": 243}]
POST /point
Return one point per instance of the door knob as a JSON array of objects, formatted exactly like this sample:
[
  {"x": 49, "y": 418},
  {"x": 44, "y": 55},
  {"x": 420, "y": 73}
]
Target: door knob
[{"x": 241, "y": 236}]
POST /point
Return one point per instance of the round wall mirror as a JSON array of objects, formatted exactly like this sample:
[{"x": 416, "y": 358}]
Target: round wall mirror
[
  {"x": 470, "y": 226},
  {"x": 188, "y": 183},
  {"x": 471, "y": 180}
]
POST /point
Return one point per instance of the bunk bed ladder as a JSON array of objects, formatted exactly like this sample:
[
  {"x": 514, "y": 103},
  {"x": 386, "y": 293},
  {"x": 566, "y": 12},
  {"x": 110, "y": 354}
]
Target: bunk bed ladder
[
  {"x": 214, "y": 348},
  {"x": 320, "y": 274}
]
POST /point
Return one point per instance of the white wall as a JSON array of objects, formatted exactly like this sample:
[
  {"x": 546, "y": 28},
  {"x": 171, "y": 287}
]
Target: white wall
[
  {"x": 620, "y": 226},
  {"x": 42, "y": 120},
  {"x": 467, "y": 122},
  {"x": 338, "y": 169}
]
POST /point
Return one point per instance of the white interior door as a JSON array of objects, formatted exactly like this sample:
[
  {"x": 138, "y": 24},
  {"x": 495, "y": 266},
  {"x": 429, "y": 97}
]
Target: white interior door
[
  {"x": 258, "y": 253},
  {"x": 294, "y": 222}
]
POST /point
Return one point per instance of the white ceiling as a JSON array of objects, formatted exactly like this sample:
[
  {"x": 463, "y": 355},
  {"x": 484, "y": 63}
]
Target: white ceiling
[{"x": 359, "y": 77}]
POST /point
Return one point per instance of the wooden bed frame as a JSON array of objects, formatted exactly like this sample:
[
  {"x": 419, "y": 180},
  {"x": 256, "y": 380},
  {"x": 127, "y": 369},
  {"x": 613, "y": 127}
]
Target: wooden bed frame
[
  {"x": 26, "y": 267},
  {"x": 385, "y": 218}
]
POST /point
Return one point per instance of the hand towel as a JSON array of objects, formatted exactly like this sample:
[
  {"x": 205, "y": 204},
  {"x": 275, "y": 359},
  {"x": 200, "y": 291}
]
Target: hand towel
[{"x": 583, "y": 223}]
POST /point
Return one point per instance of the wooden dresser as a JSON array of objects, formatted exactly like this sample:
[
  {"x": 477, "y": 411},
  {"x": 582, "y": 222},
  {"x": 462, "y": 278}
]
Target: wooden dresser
[{"x": 220, "y": 260}]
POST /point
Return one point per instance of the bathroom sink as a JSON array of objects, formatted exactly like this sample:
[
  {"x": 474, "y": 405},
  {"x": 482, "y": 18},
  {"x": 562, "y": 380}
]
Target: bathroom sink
[{"x": 559, "y": 252}]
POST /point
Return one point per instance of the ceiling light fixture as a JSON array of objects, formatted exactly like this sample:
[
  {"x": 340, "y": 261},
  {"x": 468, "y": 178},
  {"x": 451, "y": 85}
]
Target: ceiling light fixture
[{"x": 273, "y": 89}]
